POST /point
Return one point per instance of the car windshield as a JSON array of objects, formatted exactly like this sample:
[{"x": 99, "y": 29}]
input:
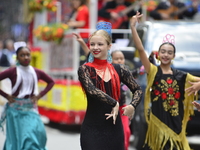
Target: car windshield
[{"x": 186, "y": 37}]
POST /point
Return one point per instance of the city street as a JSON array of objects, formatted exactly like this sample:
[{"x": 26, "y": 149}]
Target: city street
[
  {"x": 65, "y": 137},
  {"x": 48, "y": 27},
  {"x": 60, "y": 137}
]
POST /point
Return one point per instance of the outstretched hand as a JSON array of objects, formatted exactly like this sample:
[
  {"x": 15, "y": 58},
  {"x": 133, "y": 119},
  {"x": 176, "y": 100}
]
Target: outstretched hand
[
  {"x": 197, "y": 105},
  {"x": 82, "y": 43},
  {"x": 129, "y": 111},
  {"x": 113, "y": 113},
  {"x": 194, "y": 88},
  {"x": 135, "y": 19},
  {"x": 78, "y": 37}
]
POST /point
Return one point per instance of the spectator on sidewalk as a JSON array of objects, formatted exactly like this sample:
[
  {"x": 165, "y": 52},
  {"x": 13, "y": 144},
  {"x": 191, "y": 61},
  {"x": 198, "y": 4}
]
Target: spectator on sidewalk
[
  {"x": 79, "y": 19},
  {"x": 10, "y": 51},
  {"x": 174, "y": 10},
  {"x": 4, "y": 62}
]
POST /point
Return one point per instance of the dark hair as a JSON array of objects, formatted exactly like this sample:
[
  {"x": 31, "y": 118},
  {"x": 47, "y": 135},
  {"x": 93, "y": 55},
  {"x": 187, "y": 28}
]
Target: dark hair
[
  {"x": 20, "y": 48},
  {"x": 168, "y": 44}
]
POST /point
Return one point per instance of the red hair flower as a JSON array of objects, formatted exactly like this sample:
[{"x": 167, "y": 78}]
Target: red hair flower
[{"x": 156, "y": 54}]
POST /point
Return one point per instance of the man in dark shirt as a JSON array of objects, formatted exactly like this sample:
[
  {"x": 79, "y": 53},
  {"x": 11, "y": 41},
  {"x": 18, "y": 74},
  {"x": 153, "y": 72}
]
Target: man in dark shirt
[
  {"x": 173, "y": 10},
  {"x": 114, "y": 12},
  {"x": 4, "y": 62}
]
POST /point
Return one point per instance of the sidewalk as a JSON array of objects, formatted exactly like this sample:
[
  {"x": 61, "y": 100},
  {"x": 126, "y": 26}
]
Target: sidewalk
[{"x": 197, "y": 17}]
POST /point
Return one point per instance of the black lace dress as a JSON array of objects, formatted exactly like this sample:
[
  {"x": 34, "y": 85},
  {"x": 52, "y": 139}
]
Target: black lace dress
[{"x": 97, "y": 133}]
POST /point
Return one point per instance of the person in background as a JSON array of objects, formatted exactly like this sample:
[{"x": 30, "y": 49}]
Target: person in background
[
  {"x": 102, "y": 126},
  {"x": 195, "y": 87},
  {"x": 4, "y": 62},
  {"x": 174, "y": 10},
  {"x": 10, "y": 51},
  {"x": 101, "y": 3},
  {"x": 197, "y": 105},
  {"x": 118, "y": 58},
  {"x": 167, "y": 105},
  {"x": 24, "y": 128},
  {"x": 79, "y": 19},
  {"x": 112, "y": 12}
]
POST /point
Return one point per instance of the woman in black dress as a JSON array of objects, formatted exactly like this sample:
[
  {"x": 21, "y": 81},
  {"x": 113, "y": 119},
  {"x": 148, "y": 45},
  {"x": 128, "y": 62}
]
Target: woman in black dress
[{"x": 102, "y": 127}]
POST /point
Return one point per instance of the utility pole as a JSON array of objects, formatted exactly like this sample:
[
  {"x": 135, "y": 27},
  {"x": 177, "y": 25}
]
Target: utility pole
[{"x": 93, "y": 14}]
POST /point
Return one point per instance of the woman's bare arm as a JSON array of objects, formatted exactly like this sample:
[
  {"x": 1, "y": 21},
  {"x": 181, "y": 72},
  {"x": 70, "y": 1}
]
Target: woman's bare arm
[
  {"x": 136, "y": 39},
  {"x": 82, "y": 43}
]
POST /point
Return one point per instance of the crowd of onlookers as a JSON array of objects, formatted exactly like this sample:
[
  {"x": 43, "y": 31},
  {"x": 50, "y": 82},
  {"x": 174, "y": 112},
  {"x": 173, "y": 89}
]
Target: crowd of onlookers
[
  {"x": 112, "y": 10},
  {"x": 118, "y": 12}
]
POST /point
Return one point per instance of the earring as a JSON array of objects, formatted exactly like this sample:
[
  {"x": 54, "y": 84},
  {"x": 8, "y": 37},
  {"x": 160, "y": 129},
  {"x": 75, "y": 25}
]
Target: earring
[
  {"x": 172, "y": 61},
  {"x": 109, "y": 57},
  {"x": 17, "y": 63},
  {"x": 91, "y": 58},
  {"x": 158, "y": 59}
]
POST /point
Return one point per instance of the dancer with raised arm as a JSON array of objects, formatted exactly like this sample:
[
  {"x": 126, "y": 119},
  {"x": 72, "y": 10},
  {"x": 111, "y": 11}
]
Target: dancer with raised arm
[
  {"x": 167, "y": 105},
  {"x": 102, "y": 127}
]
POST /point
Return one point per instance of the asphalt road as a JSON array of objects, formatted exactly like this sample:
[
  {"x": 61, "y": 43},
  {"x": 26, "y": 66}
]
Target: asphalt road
[
  {"x": 65, "y": 137},
  {"x": 60, "y": 137}
]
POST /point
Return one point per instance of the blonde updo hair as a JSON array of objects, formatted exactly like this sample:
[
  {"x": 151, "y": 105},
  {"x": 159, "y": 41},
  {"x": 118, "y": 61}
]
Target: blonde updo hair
[{"x": 104, "y": 34}]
